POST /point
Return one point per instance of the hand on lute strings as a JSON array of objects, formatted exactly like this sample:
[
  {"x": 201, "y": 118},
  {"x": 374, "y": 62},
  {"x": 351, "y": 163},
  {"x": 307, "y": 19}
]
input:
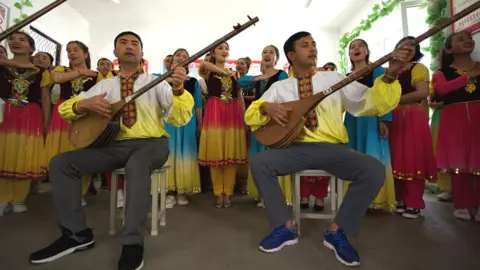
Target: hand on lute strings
[
  {"x": 400, "y": 57},
  {"x": 97, "y": 104},
  {"x": 277, "y": 112},
  {"x": 179, "y": 75}
]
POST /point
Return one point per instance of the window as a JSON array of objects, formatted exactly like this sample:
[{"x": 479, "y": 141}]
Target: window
[
  {"x": 407, "y": 19},
  {"x": 44, "y": 43},
  {"x": 414, "y": 24}
]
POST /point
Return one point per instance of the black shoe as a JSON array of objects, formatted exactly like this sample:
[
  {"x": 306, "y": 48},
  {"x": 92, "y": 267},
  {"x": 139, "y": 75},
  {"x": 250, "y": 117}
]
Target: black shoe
[
  {"x": 318, "y": 208},
  {"x": 91, "y": 189},
  {"x": 131, "y": 258},
  {"x": 304, "y": 206},
  {"x": 67, "y": 244},
  {"x": 411, "y": 213}
]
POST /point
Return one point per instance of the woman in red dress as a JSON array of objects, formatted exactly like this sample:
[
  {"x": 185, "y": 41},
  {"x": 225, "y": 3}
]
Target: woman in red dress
[
  {"x": 411, "y": 144},
  {"x": 458, "y": 146}
]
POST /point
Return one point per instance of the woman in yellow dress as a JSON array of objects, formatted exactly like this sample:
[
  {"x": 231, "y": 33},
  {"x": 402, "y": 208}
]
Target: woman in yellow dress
[
  {"x": 223, "y": 144},
  {"x": 73, "y": 79},
  {"x": 25, "y": 90}
]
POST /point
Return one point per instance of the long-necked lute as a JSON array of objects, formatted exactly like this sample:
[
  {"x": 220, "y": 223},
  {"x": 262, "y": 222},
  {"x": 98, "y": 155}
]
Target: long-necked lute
[
  {"x": 95, "y": 130},
  {"x": 274, "y": 135},
  {"x": 30, "y": 19}
]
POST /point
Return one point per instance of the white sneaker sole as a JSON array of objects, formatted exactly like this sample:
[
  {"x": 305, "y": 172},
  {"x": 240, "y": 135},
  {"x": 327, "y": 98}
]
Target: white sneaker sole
[
  {"x": 65, "y": 253},
  {"x": 140, "y": 266},
  {"x": 286, "y": 243},
  {"x": 329, "y": 246},
  {"x": 410, "y": 216}
]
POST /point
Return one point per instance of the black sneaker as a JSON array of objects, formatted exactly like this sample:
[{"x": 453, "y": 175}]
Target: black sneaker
[
  {"x": 411, "y": 213},
  {"x": 67, "y": 244},
  {"x": 400, "y": 208},
  {"x": 304, "y": 206},
  {"x": 131, "y": 258}
]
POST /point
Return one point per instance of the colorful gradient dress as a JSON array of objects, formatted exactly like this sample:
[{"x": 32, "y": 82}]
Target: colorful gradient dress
[
  {"x": 21, "y": 132},
  {"x": 57, "y": 137},
  {"x": 223, "y": 144},
  {"x": 184, "y": 174},
  {"x": 364, "y": 137}
]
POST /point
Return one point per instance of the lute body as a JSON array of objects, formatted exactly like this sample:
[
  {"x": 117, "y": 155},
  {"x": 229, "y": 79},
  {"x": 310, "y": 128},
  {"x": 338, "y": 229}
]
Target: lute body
[{"x": 84, "y": 132}]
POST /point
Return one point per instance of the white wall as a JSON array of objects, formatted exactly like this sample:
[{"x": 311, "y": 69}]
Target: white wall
[
  {"x": 63, "y": 24},
  {"x": 357, "y": 17}
]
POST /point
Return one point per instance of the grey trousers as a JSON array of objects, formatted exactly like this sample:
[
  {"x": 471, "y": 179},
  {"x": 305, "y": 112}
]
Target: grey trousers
[
  {"x": 139, "y": 158},
  {"x": 366, "y": 174}
]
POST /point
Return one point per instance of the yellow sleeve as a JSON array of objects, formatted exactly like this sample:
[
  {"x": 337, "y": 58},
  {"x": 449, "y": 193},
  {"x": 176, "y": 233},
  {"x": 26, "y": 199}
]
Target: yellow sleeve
[
  {"x": 46, "y": 79},
  {"x": 66, "y": 109},
  {"x": 181, "y": 110},
  {"x": 110, "y": 75},
  {"x": 431, "y": 91},
  {"x": 420, "y": 73},
  {"x": 59, "y": 69},
  {"x": 253, "y": 117},
  {"x": 376, "y": 101},
  {"x": 100, "y": 77}
]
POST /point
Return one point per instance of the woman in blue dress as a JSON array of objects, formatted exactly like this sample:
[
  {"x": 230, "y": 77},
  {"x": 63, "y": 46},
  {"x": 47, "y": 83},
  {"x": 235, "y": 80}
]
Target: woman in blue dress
[
  {"x": 183, "y": 176},
  {"x": 270, "y": 75},
  {"x": 369, "y": 134},
  {"x": 245, "y": 82}
]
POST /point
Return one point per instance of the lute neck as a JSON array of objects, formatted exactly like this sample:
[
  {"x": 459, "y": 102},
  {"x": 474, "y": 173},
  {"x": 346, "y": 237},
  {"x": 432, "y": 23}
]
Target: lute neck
[{"x": 237, "y": 29}]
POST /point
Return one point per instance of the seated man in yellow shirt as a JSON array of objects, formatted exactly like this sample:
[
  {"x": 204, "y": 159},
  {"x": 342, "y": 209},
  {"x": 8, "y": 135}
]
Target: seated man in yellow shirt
[
  {"x": 321, "y": 144},
  {"x": 140, "y": 147}
]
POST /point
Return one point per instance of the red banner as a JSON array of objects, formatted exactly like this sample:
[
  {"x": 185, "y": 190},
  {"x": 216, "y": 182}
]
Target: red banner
[{"x": 471, "y": 22}]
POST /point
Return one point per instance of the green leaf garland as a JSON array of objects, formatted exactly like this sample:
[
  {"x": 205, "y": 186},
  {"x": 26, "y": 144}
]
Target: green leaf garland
[
  {"x": 379, "y": 10},
  {"x": 20, "y": 5},
  {"x": 437, "y": 10}
]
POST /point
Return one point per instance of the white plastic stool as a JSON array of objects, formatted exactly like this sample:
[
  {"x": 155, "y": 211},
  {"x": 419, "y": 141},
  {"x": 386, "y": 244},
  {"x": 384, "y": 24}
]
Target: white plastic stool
[
  {"x": 155, "y": 214},
  {"x": 336, "y": 197}
]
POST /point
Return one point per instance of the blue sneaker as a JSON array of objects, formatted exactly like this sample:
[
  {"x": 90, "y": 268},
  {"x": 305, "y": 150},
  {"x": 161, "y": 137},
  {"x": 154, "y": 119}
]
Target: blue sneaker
[
  {"x": 280, "y": 237},
  {"x": 338, "y": 242}
]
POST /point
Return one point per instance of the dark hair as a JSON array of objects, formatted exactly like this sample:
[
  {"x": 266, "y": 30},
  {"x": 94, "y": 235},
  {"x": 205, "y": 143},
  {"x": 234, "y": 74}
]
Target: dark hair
[
  {"x": 212, "y": 57},
  {"x": 103, "y": 59},
  {"x": 277, "y": 52},
  {"x": 125, "y": 34},
  {"x": 31, "y": 41},
  {"x": 3, "y": 49},
  {"x": 418, "y": 54},
  {"x": 289, "y": 45},
  {"x": 331, "y": 64},
  {"x": 84, "y": 48},
  {"x": 367, "y": 58},
  {"x": 179, "y": 50},
  {"x": 50, "y": 57},
  {"x": 247, "y": 60},
  {"x": 446, "y": 59}
]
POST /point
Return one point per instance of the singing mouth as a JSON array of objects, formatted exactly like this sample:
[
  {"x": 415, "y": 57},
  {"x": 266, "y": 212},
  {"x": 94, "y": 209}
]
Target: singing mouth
[
  {"x": 129, "y": 54},
  {"x": 16, "y": 46}
]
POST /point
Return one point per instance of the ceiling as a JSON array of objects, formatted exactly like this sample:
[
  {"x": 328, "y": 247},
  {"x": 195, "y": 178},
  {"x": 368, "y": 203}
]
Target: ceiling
[{"x": 196, "y": 23}]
